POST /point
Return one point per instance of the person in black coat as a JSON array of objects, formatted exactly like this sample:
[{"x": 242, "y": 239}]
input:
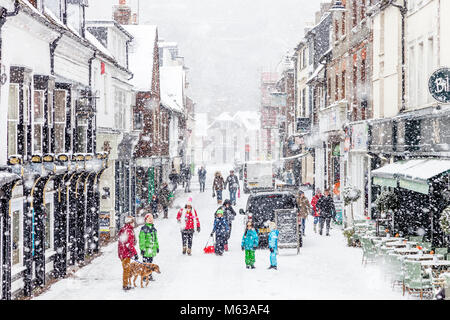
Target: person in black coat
[
  {"x": 232, "y": 182},
  {"x": 327, "y": 211},
  {"x": 221, "y": 230},
  {"x": 228, "y": 214}
]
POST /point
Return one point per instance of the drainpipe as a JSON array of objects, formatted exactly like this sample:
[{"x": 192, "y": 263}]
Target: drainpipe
[
  {"x": 90, "y": 67},
  {"x": 53, "y": 46},
  {"x": 403, "y": 11},
  {"x": 3, "y": 15}
]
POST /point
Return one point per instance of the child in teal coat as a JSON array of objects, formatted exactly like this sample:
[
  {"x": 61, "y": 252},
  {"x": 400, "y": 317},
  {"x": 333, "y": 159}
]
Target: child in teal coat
[
  {"x": 249, "y": 244},
  {"x": 273, "y": 245}
]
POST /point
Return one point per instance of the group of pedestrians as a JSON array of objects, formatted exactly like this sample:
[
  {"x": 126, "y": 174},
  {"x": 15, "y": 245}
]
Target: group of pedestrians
[
  {"x": 219, "y": 184},
  {"x": 322, "y": 208}
]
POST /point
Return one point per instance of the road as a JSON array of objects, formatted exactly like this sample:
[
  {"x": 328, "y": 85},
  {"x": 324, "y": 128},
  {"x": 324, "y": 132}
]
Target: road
[{"x": 325, "y": 268}]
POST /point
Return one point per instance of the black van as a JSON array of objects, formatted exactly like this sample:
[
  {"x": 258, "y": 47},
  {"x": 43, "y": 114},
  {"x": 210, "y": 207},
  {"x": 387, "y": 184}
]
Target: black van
[{"x": 261, "y": 207}]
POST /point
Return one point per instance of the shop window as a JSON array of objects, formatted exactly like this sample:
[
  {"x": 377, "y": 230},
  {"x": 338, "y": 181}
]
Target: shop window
[
  {"x": 13, "y": 118},
  {"x": 82, "y": 138},
  {"x": 48, "y": 227},
  {"x": 16, "y": 236}
]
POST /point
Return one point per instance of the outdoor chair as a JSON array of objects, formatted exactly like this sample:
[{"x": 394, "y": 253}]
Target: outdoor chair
[
  {"x": 443, "y": 251},
  {"x": 425, "y": 245},
  {"x": 396, "y": 271},
  {"x": 369, "y": 252},
  {"x": 415, "y": 238},
  {"x": 416, "y": 281}
]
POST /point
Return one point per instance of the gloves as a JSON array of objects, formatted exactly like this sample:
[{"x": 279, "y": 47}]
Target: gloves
[
  {"x": 142, "y": 252},
  {"x": 198, "y": 229},
  {"x": 157, "y": 250},
  {"x": 212, "y": 233},
  {"x": 242, "y": 248},
  {"x": 136, "y": 257},
  {"x": 271, "y": 249},
  {"x": 255, "y": 247}
]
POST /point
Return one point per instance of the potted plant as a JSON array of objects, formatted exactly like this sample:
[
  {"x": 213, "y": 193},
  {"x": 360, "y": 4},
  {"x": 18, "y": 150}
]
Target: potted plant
[{"x": 350, "y": 194}]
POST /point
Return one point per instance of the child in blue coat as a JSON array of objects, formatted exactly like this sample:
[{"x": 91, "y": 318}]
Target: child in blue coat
[
  {"x": 273, "y": 245},
  {"x": 250, "y": 243},
  {"x": 221, "y": 229}
]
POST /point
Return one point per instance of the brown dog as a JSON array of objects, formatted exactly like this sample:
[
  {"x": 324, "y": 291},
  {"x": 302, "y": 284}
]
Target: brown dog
[{"x": 144, "y": 270}]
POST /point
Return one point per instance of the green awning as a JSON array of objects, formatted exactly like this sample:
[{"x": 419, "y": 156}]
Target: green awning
[
  {"x": 414, "y": 185},
  {"x": 385, "y": 182}
]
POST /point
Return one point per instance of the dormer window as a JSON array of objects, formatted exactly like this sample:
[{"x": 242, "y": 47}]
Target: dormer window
[
  {"x": 55, "y": 8},
  {"x": 75, "y": 15}
]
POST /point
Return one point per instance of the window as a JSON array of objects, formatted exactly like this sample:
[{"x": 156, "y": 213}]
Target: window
[
  {"x": 16, "y": 236},
  {"x": 119, "y": 108},
  {"x": 363, "y": 9},
  {"x": 13, "y": 118},
  {"x": 354, "y": 13},
  {"x": 304, "y": 102},
  {"x": 430, "y": 62},
  {"x": 48, "y": 226},
  {"x": 54, "y": 6},
  {"x": 343, "y": 85},
  {"x": 137, "y": 124},
  {"x": 82, "y": 136},
  {"x": 60, "y": 120},
  {"x": 344, "y": 17},
  {"x": 412, "y": 77},
  {"x": 336, "y": 88},
  {"x": 74, "y": 15},
  {"x": 38, "y": 120}
]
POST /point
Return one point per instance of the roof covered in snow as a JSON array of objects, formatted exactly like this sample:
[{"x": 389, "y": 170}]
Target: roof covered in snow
[
  {"x": 97, "y": 44},
  {"x": 172, "y": 86},
  {"x": 141, "y": 55},
  {"x": 249, "y": 119}
]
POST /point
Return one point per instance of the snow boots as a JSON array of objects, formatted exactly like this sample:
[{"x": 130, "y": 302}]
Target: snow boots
[
  {"x": 189, "y": 251},
  {"x": 226, "y": 247},
  {"x": 315, "y": 230},
  {"x": 272, "y": 267},
  {"x": 184, "y": 250}
]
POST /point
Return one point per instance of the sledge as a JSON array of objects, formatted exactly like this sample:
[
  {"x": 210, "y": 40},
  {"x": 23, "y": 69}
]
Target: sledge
[{"x": 208, "y": 249}]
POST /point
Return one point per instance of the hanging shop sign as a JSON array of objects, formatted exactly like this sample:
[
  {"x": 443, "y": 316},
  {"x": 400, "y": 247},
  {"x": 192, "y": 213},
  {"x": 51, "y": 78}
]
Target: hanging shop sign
[{"x": 439, "y": 85}]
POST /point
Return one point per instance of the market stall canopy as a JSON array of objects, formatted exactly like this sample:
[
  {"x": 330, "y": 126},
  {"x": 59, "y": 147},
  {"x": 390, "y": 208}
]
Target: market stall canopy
[{"x": 414, "y": 175}]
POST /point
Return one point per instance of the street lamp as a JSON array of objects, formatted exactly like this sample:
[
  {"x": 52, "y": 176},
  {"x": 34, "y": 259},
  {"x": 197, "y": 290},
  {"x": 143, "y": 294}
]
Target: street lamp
[{"x": 338, "y": 6}]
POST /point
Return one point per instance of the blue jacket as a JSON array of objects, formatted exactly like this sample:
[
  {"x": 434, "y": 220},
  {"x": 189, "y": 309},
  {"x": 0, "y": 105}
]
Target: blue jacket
[
  {"x": 251, "y": 240},
  {"x": 273, "y": 239},
  {"x": 221, "y": 227}
]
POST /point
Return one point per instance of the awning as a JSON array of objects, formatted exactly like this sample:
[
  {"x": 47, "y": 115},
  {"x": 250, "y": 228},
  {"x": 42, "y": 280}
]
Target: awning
[
  {"x": 295, "y": 157},
  {"x": 414, "y": 175}
]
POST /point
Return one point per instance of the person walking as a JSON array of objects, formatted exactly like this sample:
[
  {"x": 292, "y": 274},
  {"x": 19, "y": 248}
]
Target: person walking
[
  {"x": 187, "y": 218},
  {"x": 187, "y": 179},
  {"x": 202, "y": 178},
  {"x": 232, "y": 182},
  {"x": 163, "y": 199},
  {"x": 304, "y": 209},
  {"x": 148, "y": 241},
  {"x": 327, "y": 211},
  {"x": 315, "y": 211},
  {"x": 221, "y": 229},
  {"x": 229, "y": 215},
  {"x": 218, "y": 186},
  {"x": 154, "y": 206},
  {"x": 273, "y": 245},
  {"x": 173, "y": 178},
  {"x": 126, "y": 250},
  {"x": 249, "y": 243}
]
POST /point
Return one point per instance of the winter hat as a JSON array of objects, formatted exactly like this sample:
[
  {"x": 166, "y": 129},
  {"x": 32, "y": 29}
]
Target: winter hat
[
  {"x": 272, "y": 225},
  {"x": 189, "y": 202},
  {"x": 220, "y": 211},
  {"x": 129, "y": 219}
]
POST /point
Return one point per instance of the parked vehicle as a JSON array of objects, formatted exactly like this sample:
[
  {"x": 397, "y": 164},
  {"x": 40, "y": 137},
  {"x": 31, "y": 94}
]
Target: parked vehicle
[
  {"x": 261, "y": 208},
  {"x": 258, "y": 175}
]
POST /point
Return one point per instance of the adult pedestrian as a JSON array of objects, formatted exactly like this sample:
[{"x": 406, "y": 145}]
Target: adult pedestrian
[
  {"x": 163, "y": 199},
  {"x": 173, "y": 178},
  {"x": 148, "y": 241},
  {"x": 249, "y": 243},
  {"x": 327, "y": 211},
  {"x": 304, "y": 209},
  {"x": 126, "y": 250},
  {"x": 232, "y": 182},
  {"x": 154, "y": 206},
  {"x": 187, "y": 179},
  {"x": 221, "y": 229},
  {"x": 273, "y": 245},
  {"x": 187, "y": 217},
  {"x": 202, "y": 178},
  {"x": 315, "y": 211},
  {"x": 229, "y": 215},
  {"x": 218, "y": 186}
]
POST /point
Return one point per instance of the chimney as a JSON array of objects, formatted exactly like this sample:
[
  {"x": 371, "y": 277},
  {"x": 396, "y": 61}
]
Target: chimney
[{"x": 122, "y": 13}]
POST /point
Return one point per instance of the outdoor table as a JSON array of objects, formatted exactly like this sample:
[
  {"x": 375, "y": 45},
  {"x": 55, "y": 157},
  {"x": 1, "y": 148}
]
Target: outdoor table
[
  {"x": 437, "y": 267},
  {"x": 424, "y": 257},
  {"x": 406, "y": 251},
  {"x": 397, "y": 244}
]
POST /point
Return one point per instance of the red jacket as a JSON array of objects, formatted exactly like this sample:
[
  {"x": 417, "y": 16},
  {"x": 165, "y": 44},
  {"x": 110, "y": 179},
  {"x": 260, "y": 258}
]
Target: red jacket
[
  {"x": 126, "y": 242},
  {"x": 189, "y": 217},
  {"x": 314, "y": 203}
]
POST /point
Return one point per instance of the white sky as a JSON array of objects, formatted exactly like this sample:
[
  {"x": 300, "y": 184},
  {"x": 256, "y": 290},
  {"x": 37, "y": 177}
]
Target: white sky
[{"x": 225, "y": 42}]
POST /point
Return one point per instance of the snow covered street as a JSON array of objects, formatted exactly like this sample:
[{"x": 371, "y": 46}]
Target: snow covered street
[{"x": 325, "y": 268}]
